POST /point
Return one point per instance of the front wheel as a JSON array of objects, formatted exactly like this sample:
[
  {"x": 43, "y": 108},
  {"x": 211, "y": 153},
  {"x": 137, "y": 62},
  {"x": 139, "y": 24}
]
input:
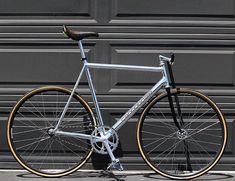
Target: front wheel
[
  {"x": 29, "y": 137},
  {"x": 187, "y": 153}
]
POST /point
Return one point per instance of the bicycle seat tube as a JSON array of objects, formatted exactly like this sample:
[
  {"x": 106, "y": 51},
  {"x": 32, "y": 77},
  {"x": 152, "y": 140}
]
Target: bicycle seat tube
[{"x": 90, "y": 83}]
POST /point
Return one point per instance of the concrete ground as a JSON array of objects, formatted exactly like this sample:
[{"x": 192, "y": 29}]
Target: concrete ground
[{"x": 21, "y": 175}]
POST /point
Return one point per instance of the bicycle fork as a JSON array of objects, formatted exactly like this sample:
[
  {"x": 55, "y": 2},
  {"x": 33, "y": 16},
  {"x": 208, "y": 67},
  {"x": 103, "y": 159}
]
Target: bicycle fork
[
  {"x": 177, "y": 123},
  {"x": 186, "y": 151}
]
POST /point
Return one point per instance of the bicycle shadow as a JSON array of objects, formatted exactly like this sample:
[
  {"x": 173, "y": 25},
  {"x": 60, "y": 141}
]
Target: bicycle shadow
[
  {"x": 124, "y": 177},
  {"x": 91, "y": 174},
  {"x": 103, "y": 174},
  {"x": 205, "y": 177}
]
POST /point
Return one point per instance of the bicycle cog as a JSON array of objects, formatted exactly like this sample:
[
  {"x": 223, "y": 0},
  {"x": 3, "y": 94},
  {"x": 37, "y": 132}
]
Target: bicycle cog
[{"x": 99, "y": 145}]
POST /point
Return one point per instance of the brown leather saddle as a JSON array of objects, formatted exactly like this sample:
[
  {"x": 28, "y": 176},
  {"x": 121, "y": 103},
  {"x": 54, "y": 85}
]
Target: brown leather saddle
[{"x": 78, "y": 35}]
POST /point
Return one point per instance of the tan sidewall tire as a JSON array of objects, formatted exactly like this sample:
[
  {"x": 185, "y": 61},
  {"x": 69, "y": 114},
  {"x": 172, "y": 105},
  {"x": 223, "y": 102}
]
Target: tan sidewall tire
[
  {"x": 221, "y": 117},
  {"x": 33, "y": 92}
]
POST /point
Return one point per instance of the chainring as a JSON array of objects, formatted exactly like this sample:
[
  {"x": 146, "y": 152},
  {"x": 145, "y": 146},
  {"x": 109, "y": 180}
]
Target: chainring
[{"x": 99, "y": 145}]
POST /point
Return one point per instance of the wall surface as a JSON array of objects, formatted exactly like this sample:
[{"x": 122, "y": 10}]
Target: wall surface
[{"x": 34, "y": 52}]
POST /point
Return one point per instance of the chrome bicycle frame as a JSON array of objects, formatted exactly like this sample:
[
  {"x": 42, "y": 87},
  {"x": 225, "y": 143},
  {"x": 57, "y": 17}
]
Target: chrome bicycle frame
[{"x": 164, "y": 81}]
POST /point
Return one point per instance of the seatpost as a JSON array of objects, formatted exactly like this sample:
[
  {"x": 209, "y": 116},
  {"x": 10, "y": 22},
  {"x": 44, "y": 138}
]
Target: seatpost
[{"x": 82, "y": 50}]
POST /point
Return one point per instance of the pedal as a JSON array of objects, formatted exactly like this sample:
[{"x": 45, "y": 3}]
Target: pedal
[{"x": 115, "y": 165}]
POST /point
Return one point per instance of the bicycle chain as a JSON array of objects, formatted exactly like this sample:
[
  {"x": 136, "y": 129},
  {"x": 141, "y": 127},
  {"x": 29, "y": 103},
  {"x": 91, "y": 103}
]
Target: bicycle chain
[
  {"x": 91, "y": 127},
  {"x": 73, "y": 144}
]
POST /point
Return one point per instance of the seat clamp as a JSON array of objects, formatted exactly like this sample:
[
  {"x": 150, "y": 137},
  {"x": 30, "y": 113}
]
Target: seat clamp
[{"x": 83, "y": 59}]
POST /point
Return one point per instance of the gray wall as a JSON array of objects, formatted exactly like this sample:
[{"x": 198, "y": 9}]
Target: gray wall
[{"x": 33, "y": 52}]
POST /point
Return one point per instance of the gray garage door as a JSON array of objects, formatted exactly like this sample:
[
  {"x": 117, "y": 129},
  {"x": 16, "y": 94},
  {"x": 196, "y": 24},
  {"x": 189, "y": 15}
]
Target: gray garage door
[{"x": 34, "y": 52}]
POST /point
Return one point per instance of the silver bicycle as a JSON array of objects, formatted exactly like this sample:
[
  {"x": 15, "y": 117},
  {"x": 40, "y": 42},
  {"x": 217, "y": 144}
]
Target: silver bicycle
[{"x": 181, "y": 133}]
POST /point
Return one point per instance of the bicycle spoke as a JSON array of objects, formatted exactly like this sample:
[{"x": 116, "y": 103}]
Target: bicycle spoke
[
  {"x": 159, "y": 144},
  {"x": 32, "y": 130},
  {"x": 165, "y": 136},
  {"x": 164, "y": 122},
  {"x": 47, "y": 152},
  {"x": 35, "y": 142}
]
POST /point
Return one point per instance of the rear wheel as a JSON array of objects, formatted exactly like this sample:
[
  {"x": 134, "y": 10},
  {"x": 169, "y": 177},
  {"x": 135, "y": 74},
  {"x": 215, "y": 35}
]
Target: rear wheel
[
  {"x": 29, "y": 137},
  {"x": 188, "y": 153}
]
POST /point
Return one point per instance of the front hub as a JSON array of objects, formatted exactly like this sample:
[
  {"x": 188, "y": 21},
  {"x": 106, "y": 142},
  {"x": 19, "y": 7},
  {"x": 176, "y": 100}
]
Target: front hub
[{"x": 183, "y": 134}]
